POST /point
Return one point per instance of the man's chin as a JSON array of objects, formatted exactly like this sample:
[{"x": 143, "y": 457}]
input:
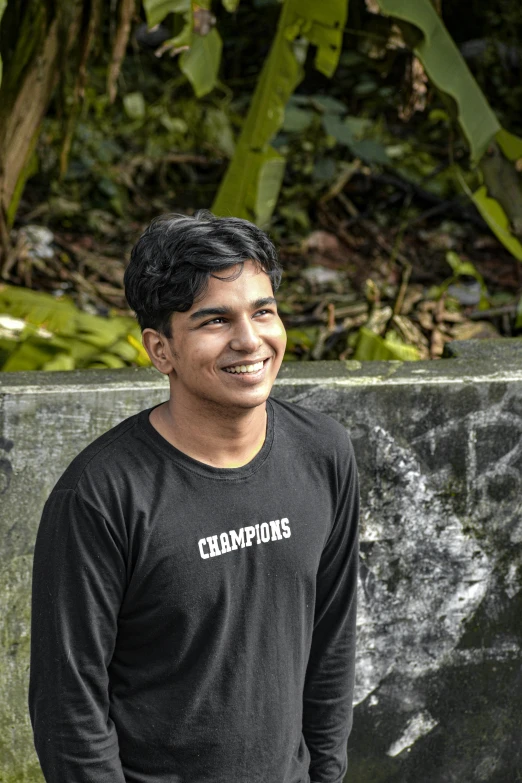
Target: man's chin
[
  {"x": 248, "y": 403},
  {"x": 246, "y": 399}
]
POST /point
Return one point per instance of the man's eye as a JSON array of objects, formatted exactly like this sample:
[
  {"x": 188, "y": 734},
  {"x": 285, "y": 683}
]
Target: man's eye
[
  {"x": 213, "y": 321},
  {"x": 264, "y": 312}
]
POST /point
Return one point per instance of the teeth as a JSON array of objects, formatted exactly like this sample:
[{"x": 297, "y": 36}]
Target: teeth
[{"x": 242, "y": 368}]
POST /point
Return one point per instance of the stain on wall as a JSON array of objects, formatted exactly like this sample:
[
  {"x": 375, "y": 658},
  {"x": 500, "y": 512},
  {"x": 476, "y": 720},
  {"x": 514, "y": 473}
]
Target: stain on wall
[{"x": 6, "y": 469}]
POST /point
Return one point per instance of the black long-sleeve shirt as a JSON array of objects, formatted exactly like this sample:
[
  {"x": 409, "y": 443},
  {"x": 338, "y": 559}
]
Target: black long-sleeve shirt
[{"x": 194, "y": 624}]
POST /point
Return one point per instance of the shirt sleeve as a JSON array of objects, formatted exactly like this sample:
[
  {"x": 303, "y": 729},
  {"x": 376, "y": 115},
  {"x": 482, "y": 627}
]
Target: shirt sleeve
[
  {"x": 78, "y": 585},
  {"x": 329, "y": 682}
]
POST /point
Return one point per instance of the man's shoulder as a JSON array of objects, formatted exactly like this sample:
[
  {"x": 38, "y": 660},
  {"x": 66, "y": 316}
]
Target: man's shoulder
[
  {"x": 113, "y": 452},
  {"x": 314, "y": 430}
]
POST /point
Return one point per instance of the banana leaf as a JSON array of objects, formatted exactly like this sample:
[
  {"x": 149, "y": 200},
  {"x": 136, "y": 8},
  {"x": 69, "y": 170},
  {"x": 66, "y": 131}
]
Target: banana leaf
[
  {"x": 251, "y": 184},
  {"x": 371, "y": 347},
  {"x": 39, "y": 332},
  {"x": 60, "y": 363},
  {"x": 449, "y": 72},
  {"x": 107, "y": 360},
  {"x": 31, "y": 354}
]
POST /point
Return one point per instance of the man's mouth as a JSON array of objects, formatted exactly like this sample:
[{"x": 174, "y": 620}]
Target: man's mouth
[{"x": 246, "y": 368}]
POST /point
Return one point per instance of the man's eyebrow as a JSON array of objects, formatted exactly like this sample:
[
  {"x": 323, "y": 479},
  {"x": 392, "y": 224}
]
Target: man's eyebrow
[
  {"x": 267, "y": 300},
  {"x": 204, "y": 312}
]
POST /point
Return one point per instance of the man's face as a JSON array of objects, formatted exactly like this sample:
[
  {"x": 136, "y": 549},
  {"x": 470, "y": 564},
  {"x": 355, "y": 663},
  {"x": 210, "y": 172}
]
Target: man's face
[{"x": 228, "y": 348}]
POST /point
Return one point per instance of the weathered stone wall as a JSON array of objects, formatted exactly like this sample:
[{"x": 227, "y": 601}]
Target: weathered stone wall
[{"x": 439, "y": 448}]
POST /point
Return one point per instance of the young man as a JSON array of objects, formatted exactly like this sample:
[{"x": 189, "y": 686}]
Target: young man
[{"x": 194, "y": 582}]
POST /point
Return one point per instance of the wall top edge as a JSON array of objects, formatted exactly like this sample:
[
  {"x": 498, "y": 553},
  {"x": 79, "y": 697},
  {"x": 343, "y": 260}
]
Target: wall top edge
[{"x": 337, "y": 373}]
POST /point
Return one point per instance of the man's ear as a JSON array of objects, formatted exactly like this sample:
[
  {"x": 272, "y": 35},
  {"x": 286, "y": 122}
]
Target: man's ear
[{"x": 158, "y": 349}]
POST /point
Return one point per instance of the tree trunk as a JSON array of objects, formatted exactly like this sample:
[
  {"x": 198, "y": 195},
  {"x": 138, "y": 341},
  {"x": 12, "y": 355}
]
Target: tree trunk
[{"x": 33, "y": 39}]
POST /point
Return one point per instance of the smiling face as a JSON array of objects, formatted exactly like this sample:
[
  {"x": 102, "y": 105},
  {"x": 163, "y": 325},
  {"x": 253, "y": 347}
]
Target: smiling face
[{"x": 227, "y": 349}]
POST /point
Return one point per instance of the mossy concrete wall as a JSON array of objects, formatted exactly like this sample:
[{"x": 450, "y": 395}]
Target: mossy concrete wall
[{"x": 439, "y": 448}]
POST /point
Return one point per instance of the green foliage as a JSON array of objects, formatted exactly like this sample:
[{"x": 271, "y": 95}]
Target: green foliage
[
  {"x": 120, "y": 151},
  {"x": 501, "y": 21},
  {"x": 448, "y": 71},
  {"x": 157, "y": 10},
  {"x": 347, "y": 131},
  {"x": 230, "y": 5},
  {"x": 200, "y": 63},
  {"x": 253, "y": 179},
  {"x": 461, "y": 269},
  {"x": 300, "y": 342},
  {"x": 134, "y": 104},
  {"x": 497, "y": 220},
  {"x": 500, "y": 200},
  {"x": 158, "y": 148},
  {"x": 372, "y": 347},
  {"x": 39, "y": 332},
  {"x": 202, "y": 56}
]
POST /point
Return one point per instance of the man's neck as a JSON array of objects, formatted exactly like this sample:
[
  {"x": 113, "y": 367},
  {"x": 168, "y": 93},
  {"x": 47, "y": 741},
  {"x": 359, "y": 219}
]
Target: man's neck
[{"x": 222, "y": 440}]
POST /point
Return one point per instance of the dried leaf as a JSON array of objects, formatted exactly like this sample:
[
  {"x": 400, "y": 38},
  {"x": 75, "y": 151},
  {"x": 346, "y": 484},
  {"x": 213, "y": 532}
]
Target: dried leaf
[
  {"x": 409, "y": 332},
  {"x": 474, "y": 330},
  {"x": 414, "y": 294},
  {"x": 437, "y": 343},
  {"x": 426, "y": 320}
]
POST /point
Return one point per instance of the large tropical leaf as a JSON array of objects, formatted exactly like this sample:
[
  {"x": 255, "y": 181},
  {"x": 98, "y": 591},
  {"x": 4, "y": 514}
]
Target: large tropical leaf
[
  {"x": 253, "y": 179},
  {"x": 449, "y": 72},
  {"x": 371, "y": 347},
  {"x": 39, "y": 332},
  {"x": 269, "y": 180}
]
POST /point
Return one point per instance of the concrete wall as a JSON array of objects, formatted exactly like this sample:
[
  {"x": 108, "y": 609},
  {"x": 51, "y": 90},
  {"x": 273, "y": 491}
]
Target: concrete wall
[{"x": 439, "y": 447}]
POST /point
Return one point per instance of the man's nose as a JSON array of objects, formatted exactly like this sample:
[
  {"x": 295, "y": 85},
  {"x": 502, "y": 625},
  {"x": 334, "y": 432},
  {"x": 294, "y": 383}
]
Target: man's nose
[{"x": 245, "y": 337}]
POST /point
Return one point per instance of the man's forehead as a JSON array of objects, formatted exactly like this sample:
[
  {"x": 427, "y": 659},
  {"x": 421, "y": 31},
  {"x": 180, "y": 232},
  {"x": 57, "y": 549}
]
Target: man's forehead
[{"x": 233, "y": 281}]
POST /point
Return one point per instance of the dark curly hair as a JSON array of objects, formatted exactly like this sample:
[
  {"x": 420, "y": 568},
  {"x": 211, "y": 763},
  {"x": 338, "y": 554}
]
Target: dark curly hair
[{"x": 171, "y": 263}]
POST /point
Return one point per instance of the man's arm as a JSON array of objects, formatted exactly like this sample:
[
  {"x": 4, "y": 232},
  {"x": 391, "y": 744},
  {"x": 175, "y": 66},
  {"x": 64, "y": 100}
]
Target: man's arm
[
  {"x": 78, "y": 585},
  {"x": 328, "y": 692}
]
